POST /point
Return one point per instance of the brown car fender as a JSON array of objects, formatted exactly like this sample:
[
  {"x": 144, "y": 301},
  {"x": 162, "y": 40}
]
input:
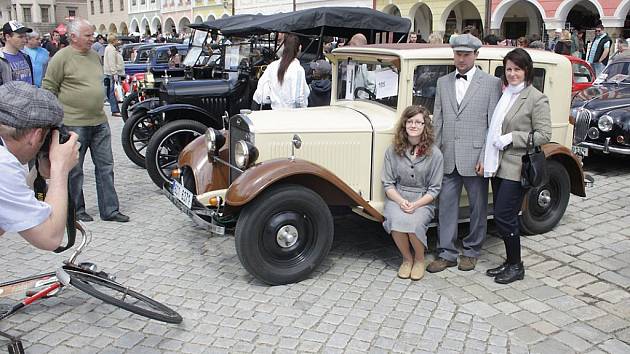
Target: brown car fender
[
  {"x": 260, "y": 177},
  {"x": 561, "y": 154}
]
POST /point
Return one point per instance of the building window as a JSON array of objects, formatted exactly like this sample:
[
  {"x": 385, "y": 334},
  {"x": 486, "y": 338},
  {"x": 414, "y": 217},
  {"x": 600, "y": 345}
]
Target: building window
[
  {"x": 72, "y": 13},
  {"x": 122, "y": 5},
  {"x": 153, "y": 1},
  {"x": 27, "y": 14},
  {"x": 100, "y": 4},
  {"x": 111, "y": 5},
  {"x": 133, "y": 2},
  {"x": 142, "y": 2},
  {"x": 92, "y": 6},
  {"x": 45, "y": 16}
]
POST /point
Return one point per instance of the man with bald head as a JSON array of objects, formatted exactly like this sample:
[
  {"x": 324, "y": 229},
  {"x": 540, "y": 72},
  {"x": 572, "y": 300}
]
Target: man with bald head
[
  {"x": 75, "y": 76},
  {"x": 357, "y": 40}
]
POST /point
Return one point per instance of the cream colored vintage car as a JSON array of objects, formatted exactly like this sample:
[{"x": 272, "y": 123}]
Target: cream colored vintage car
[{"x": 278, "y": 176}]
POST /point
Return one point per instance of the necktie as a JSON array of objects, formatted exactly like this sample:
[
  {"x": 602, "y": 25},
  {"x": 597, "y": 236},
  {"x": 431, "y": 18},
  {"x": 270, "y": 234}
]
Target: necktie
[{"x": 460, "y": 76}]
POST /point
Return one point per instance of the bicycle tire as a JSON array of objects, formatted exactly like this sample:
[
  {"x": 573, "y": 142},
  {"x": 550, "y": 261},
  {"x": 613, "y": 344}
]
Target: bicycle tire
[{"x": 92, "y": 285}]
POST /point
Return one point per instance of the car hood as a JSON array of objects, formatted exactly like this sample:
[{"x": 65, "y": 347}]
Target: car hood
[
  {"x": 310, "y": 120},
  {"x": 604, "y": 97}
]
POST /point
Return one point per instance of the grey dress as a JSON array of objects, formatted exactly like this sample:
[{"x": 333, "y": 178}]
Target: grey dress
[{"x": 412, "y": 178}]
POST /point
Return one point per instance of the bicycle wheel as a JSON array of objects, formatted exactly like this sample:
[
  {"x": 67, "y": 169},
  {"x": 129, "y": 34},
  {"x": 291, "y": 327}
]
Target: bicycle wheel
[{"x": 122, "y": 297}]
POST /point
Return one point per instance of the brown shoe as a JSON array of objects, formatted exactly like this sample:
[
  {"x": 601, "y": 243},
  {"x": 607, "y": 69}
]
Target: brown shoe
[
  {"x": 467, "y": 263},
  {"x": 417, "y": 271},
  {"x": 439, "y": 265},
  {"x": 405, "y": 270}
]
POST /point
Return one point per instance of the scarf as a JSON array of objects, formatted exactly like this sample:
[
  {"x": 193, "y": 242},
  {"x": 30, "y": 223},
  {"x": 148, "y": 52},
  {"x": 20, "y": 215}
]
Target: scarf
[{"x": 491, "y": 157}]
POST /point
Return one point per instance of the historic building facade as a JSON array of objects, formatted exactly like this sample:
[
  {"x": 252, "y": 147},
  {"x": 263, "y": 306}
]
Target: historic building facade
[
  {"x": 42, "y": 15},
  {"x": 109, "y": 16}
]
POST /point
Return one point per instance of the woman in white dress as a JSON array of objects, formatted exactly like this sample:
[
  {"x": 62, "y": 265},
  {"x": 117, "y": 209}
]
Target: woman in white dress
[{"x": 412, "y": 178}]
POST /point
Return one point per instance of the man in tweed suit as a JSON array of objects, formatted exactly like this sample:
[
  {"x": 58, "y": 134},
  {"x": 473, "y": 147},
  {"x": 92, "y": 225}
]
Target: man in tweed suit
[{"x": 464, "y": 103}]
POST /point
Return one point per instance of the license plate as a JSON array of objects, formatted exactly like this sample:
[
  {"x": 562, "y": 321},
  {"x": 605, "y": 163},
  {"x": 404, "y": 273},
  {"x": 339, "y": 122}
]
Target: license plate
[
  {"x": 182, "y": 194},
  {"x": 579, "y": 150}
]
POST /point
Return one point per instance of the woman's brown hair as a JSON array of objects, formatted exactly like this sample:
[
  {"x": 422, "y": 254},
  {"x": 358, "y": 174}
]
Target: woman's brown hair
[
  {"x": 401, "y": 140},
  {"x": 291, "y": 50}
]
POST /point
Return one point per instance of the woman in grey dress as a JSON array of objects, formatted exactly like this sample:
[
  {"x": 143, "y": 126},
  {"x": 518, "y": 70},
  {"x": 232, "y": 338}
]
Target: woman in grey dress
[{"x": 412, "y": 177}]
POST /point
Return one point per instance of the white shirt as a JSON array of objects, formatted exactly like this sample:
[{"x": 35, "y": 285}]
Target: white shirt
[
  {"x": 292, "y": 93},
  {"x": 19, "y": 209},
  {"x": 461, "y": 85}
]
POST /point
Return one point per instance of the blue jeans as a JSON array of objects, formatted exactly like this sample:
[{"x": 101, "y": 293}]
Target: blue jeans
[
  {"x": 108, "y": 81},
  {"x": 598, "y": 67},
  {"x": 98, "y": 140}
]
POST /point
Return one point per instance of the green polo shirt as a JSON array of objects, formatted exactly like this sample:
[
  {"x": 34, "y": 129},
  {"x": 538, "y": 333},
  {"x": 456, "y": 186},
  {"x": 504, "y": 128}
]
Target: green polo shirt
[{"x": 77, "y": 80}]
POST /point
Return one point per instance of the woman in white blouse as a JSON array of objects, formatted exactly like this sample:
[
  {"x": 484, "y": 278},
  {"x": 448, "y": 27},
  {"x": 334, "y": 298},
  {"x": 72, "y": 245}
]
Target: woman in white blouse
[{"x": 283, "y": 84}]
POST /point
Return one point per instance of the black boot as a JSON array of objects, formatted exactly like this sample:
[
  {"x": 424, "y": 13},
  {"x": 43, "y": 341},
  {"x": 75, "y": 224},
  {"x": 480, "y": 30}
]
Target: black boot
[
  {"x": 493, "y": 272},
  {"x": 512, "y": 273}
]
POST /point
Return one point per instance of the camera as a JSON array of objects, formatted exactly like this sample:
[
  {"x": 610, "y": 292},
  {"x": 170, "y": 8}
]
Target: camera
[{"x": 64, "y": 136}]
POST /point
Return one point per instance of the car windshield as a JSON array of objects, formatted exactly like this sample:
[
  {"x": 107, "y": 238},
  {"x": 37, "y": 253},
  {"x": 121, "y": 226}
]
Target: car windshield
[
  {"x": 616, "y": 73},
  {"x": 142, "y": 56},
  {"x": 373, "y": 80}
]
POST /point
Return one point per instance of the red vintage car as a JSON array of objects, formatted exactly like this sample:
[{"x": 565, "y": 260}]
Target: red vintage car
[{"x": 583, "y": 74}]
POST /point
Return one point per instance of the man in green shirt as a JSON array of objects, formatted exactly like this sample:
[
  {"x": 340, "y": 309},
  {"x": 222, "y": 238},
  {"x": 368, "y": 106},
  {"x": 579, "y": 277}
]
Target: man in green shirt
[{"x": 75, "y": 76}]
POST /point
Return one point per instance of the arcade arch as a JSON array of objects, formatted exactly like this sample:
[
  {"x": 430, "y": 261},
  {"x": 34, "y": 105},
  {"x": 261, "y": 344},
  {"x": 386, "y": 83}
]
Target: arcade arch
[
  {"x": 422, "y": 20},
  {"x": 519, "y": 18},
  {"x": 182, "y": 26},
  {"x": 582, "y": 14},
  {"x": 156, "y": 25},
  {"x": 124, "y": 30},
  {"x": 392, "y": 10},
  {"x": 460, "y": 14},
  {"x": 169, "y": 26},
  {"x": 198, "y": 19}
]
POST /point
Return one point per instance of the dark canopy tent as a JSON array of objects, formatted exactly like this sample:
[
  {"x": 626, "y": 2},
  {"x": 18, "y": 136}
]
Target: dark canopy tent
[
  {"x": 328, "y": 21},
  {"x": 220, "y": 23}
]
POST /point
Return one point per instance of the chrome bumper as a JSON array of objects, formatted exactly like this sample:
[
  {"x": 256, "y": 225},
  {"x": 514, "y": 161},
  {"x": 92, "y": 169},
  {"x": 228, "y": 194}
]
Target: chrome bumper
[
  {"x": 193, "y": 214},
  {"x": 605, "y": 148}
]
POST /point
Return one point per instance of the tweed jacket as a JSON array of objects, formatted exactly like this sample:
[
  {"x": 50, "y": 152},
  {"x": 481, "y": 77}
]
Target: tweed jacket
[
  {"x": 461, "y": 132},
  {"x": 530, "y": 111}
]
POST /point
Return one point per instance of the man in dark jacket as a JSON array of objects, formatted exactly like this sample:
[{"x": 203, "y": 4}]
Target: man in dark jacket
[
  {"x": 600, "y": 50},
  {"x": 320, "y": 86},
  {"x": 15, "y": 65}
]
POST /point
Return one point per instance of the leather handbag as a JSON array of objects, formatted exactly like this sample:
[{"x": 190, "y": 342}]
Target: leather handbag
[{"x": 534, "y": 170}]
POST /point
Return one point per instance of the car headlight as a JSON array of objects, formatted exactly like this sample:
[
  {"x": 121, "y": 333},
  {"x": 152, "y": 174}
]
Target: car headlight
[
  {"x": 245, "y": 154},
  {"x": 605, "y": 123},
  {"x": 214, "y": 141},
  {"x": 148, "y": 78}
]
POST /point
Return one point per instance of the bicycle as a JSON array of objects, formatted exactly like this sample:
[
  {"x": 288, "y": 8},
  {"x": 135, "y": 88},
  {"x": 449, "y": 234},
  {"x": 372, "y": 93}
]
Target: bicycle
[{"x": 85, "y": 277}]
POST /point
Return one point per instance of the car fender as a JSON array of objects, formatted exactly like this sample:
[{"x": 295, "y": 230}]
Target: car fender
[
  {"x": 148, "y": 104},
  {"x": 560, "y": 153},
  {"x": 331, "y": 188},
  {"x": 193, "y": 113}
]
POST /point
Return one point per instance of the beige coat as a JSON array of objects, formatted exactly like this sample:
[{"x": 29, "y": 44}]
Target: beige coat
[
  {"x": 530, "y": 111},
  {"x": 113, "y": 63}
]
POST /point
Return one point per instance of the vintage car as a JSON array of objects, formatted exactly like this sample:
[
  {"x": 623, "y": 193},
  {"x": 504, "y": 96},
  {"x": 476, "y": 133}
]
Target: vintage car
[
  {"x": 583, "y": 74},
  {"x": 275, "y": 176},
  {"x": 194, "y": 105},
  {"x": 601, "y": 113}
]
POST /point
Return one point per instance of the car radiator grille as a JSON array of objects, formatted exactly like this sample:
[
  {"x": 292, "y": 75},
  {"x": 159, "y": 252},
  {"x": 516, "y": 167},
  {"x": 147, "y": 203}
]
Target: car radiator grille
[
  {"x": 582, "y": 124},
  {"x": 215, "y": 106}
]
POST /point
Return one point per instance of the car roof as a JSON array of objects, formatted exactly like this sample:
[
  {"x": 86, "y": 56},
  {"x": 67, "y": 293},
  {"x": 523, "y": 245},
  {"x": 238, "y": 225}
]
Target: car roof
[
  {"x": 168, "y": 46},
  {"x": 150, "y": 45},
  {"x": 433, "y": 51}
]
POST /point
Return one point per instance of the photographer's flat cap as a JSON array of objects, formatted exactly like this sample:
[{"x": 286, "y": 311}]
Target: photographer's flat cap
[
  {"x": 466, "y": 43},
  {"x": 321, "y": 66},
  {"x": 26, "y": 106}
]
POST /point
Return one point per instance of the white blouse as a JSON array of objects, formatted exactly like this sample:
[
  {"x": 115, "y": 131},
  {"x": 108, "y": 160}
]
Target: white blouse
[{"x": 292, "y": 93}]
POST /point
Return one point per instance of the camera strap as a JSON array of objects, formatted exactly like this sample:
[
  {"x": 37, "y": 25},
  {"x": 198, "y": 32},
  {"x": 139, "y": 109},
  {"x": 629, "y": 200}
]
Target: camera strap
[{"x": 39, "y": 186}]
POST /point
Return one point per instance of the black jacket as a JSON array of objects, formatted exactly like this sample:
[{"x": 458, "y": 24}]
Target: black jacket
[{"x": 320, "y": 93}]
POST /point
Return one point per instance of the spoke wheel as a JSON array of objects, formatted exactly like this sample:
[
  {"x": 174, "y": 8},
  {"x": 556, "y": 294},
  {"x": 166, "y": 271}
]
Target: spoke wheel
[
  {"x": 136, "y": 134},
  {"x": 284, "y": 234},
  {"x": 543, "y": 207},
  {"x": 166, "y": 144},
  {"x": 122, "y": 297}
]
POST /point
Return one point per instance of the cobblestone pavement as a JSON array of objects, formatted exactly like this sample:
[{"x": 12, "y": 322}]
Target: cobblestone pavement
[{"x": 575, "y": 297}]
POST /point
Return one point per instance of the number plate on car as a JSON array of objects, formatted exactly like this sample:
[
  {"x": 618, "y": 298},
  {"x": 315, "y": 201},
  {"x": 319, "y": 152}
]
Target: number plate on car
[
  {"x": 182, "y": 194},
  {"x": 579, "y": 150}
]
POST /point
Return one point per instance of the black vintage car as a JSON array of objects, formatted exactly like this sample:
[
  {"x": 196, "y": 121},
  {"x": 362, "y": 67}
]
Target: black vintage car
[
  {"x": 237, "y": 81},
  {"x": 602, "y": 112}
]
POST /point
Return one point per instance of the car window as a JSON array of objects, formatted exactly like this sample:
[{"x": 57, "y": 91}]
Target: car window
[
  {"x": 581, "y": 73},
  {"x": 162, "y": 57},
  {"x": 143, "y": 56},
  {"x": 368, "y": 80},
  {"x": 539, "y": 77},
  {"x": 424, "y": 82}
]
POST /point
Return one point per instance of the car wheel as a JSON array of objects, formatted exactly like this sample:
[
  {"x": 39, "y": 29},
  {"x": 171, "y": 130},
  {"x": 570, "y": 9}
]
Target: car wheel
[
  {"x": 136, "y": 134},
  {"x": 544, "y": 206},
  {"x": 129, "y": 101},
  {"x": 284, "y": 234},
  {"x": 166, "y": 144}
]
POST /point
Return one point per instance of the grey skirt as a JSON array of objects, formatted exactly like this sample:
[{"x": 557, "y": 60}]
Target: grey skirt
[{"x": 416, "y": 223}]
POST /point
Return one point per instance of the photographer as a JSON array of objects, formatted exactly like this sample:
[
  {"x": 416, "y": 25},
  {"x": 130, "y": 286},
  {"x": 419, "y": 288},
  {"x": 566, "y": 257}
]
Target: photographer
[{"x": 27, "y": 115}]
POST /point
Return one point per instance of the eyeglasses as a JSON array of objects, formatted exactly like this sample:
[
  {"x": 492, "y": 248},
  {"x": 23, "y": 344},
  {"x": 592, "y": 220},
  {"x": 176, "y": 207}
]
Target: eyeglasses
[{"x": 414, "y": 122}]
